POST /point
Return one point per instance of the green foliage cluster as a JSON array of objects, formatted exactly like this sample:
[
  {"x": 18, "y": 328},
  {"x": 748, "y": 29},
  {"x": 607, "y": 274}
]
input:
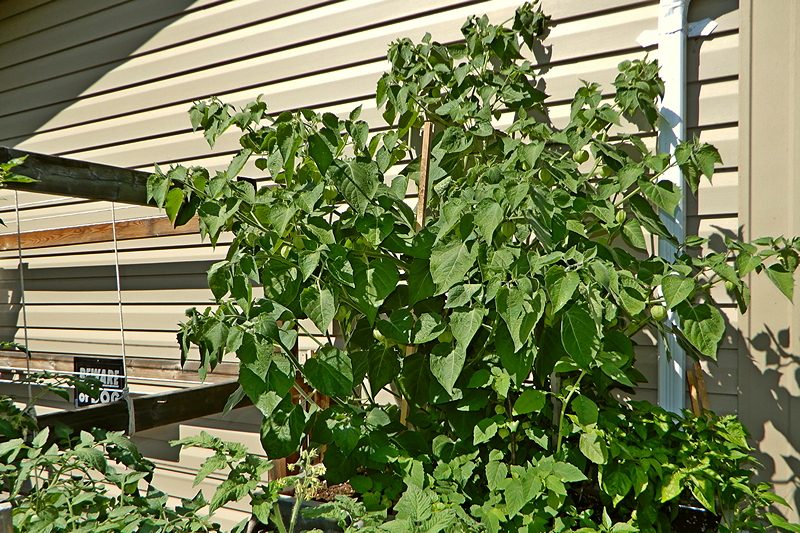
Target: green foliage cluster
[
  {"x": 58, "y": 482},
  {"x": 505, "y": 323}
]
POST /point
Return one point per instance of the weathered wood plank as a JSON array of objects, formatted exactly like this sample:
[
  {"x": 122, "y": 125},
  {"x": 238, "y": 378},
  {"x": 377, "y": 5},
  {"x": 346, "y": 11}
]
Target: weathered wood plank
[
  {"x": 81, "y": 179},
  {"x": 128, "y": 229},
  {"x": 151, "y": 411}
]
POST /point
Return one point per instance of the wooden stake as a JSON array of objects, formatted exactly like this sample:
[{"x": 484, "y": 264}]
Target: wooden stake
[
  {"x": 424, "y": 169},
  {"x": 422, "y": 204},
  {"x": 701, "y": 386},
  {"x": 693, "y": 393}
]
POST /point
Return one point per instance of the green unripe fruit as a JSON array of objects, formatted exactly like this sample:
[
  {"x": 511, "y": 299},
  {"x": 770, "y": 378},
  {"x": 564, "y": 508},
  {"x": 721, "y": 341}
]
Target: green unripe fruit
[
  {"x": 606, "y": 171},
  {"x": 580, "y": 157},
  {"x": 499, "y": 409},
  {"x": 729, "y": 286},
  {"x": 330, "y": 193},
  {"x": 503, "y": 432},
  {"x": 658, "y": 312},
  {"x": 508, "y": 228},
  {"x": 445, "y": 336},
  {"x": 621, "y": 217}
]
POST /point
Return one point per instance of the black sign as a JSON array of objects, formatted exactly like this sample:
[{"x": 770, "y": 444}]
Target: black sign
[{"x": 110, "y": 372}]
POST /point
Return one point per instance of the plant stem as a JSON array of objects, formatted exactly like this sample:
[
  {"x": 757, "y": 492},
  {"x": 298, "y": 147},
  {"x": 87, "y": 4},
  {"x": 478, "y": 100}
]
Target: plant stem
[
  {"x": 276, "y": 510},
  {"x": 564, "y": 410}
]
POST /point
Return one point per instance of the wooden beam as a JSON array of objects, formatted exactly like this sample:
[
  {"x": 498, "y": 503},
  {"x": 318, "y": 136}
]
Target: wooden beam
[
  {"x": 151, "y": 411},
  {"x": 81, "y": 179},
  {"x": 129, "y": 229}
]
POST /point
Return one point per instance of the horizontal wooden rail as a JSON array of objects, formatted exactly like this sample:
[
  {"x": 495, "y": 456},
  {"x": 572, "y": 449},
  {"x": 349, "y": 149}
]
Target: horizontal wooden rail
[
  {"x": 81, "y": 179},
  {"x": 91, "y": 233},
  {"x": 151, "y": 411}
]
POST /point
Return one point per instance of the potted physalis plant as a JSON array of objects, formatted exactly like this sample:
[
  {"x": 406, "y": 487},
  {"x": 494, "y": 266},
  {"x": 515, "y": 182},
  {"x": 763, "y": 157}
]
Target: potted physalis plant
[{"x": 503, "y": 326}]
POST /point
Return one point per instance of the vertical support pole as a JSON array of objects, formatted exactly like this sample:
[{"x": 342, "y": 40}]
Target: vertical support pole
[
  {"x": 424, "y": 166},
  {"x": 422, "y": 205}
]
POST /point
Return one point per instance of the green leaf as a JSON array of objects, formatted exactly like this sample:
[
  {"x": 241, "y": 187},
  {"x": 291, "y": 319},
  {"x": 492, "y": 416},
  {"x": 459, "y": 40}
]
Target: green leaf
[
  {"x": 530, "y": 401},
  {"x": 579, "y": 336},
  {"x": 281, "y": 433},
  {"x": 484, "y": 431},
  {"x": 520, "y": 312},
  {"x": 779, "y": 521},
  {"x": 415, "y": 504},
  {"x": 450, "y": 263},
  {"x": 384, "y": 366},
  {"x": 420, "y": 281},
  {"x": 745, "y": 263},
  {"x": 320, "y": 152},
  {"x": 673, "y": 486},
  {"x": 664, "y": 194},
  {"x": 782, "y": 279},
  {"x": 649, "y": 219},
  {"x": 703, "y": 326},
  {"x": 676, "y": 289},
  {"x": 616, "y": 484},
  {"x": 586, "y": 410},
  {"x": 320, "y": 304},
  {"x": 41, "y": 438},
  {"x": 488, "y": 215},
  {"x": 561, "y": 286},
  {"x": 427, "y": 327},
  {"x": 568, "y": 473},
  {"x": 703, "y": 489},
  {"x": 454, "y": 140},
  {"x": 398, "y": 327},
  {"x": 632, "y": 234},
  {"x": 496, "y": 473},
  {"x": 330, "y": 371},
  {"x": 374, "y": 281},
  {"x": 173, "y": 203},
  {"x": 357, "y": 180},
  {"x": 464, "y": 323},
  {"x": 446, "y": 364},
  {"x": 594, "y": 448}
]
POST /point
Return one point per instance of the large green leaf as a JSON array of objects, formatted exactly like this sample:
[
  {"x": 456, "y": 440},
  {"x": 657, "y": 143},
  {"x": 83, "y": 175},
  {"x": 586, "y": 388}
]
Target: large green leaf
[
  {"x": 488, "y": 215},
  {"x": 676, "y": 289},
  {"x": 320, "y": 304},
  {"x": 281, "y": 433},
  {"x": 446, "y": 363},
  {"x": 384, "y": 366},
  {"x": 664, "y": 194},
  {"x": 330, "y": 371},
  {"x": 427, "y": 327},
  {"x": 450, "y": 263},
  {"x": 579, "y": 336},
  {"x": 357, "y": 180},
  {"x": 703, "y": 326},
  {"x": 520, "y": 312},
  {"x": 531, "y": 400},
  {"x": 561, "y": 286},
  {"x": 420, "y": 281},
  {"x": 649, "y": 219},
  {"x": 782, "y": 279},
  {"x": 464, "y": 323},
  {"x": 374, "y": 281}
]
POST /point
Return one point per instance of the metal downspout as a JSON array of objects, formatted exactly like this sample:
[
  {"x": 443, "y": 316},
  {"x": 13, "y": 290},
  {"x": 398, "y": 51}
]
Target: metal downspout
[{"x": 672, "y": 30}]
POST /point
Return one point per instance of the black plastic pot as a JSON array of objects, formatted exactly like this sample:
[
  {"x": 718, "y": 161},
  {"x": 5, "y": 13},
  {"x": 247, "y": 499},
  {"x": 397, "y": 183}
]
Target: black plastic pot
[{"x": 286, "y": 505}]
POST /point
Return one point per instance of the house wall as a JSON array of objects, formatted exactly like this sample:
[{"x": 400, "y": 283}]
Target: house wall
[
  {"x": 111, "y": 81},
  {"x": 769, "y": 377}
]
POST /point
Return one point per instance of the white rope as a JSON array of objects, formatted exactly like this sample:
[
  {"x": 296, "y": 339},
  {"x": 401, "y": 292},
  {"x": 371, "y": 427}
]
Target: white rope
[
  {"x": 22, "y": 290},
  {"x": 126, "y": 393}
]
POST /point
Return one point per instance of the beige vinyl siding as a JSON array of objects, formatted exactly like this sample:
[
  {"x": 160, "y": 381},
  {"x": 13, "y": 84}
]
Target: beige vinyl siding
[{"x": 111, "y": 82}]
